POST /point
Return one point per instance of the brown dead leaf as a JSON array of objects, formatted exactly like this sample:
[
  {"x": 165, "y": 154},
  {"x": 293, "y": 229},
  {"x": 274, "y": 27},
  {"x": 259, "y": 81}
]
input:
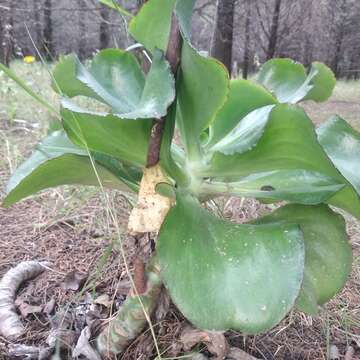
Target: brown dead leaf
[
  {"x": 123, "y": 287},
  {"x": 27, "y": 309},
  {"x": 350, "y": 352},
  {"x": 74, "y": 281},
  {"x": 104, "y": 300},
  {"x": 151, "y": 209},
  {"x": 238, "y": 354},
  {"x": 84, "y": 348},
  {"x": 214, "y": 341},
  {"x": 49, "y": 306}
]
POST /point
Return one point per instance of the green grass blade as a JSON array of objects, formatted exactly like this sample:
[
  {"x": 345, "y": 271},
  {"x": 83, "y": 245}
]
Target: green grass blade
[{"x": 25, "y": 87}]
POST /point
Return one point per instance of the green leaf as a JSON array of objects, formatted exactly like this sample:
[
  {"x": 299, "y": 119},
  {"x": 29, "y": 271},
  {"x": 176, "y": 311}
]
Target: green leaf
[
  {"x": 288, "y": 143},
  {"x": 299, "y": 186},
  {"x": 151, "y": 26},
  {"x": 116, "y": 79},
  {"x": 168, "y": 149},
  {"x": 56, "y": 162},
  {"x": 203, "y": 86},
  {"x": 27, "y": 89},
  {"x": 323, "y": 83},
  {"x": 246, "y": 133},
  {"x": 115, "y": 6},
  {"x": 342, "y": 144},
  {"x": 184, "y": 10},
  {"x": 327, "y": 251},
  {"x": 130, "y": 175},
  {"x": 290, "y": 83},
  {"x": 244, "y": 97},
  {"x": 226, "y": 276},
  {"x": 124, "y": 139},
  {"x": 65, "y": 82}
]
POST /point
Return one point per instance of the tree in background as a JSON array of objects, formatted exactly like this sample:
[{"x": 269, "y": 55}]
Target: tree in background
[
  {"x": 274, "y": 30},
  {"x": 246, "y": 61},
  {"x": 104, "y": 27},
  {"x": 223, "y": 33},
  {"x": 82, "y": 30},
  {"x": 48, "y": 46}
]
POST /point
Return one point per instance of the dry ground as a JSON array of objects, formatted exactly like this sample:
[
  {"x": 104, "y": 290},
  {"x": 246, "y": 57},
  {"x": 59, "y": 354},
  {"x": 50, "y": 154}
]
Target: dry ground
[{"x": 71, "y": 228}]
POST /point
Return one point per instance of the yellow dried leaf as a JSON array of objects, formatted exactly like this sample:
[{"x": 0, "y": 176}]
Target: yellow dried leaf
[{"x": 151, "y": 209}]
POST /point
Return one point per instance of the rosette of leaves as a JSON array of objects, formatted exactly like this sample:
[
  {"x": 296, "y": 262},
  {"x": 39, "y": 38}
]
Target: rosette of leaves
[{"x": 238, "y": 137}]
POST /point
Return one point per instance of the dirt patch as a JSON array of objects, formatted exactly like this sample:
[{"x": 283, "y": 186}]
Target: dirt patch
[{"x": 348, "y": 110}]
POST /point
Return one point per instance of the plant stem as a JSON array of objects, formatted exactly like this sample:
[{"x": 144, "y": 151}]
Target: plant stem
[
  {"x": 132, "y": 317},
  {"x": 173, "y": 57},
  {"x": 142, "y": 300}
]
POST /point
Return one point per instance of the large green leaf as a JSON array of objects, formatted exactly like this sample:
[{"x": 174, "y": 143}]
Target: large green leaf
[
  {"x": 299, "y": 186},
  {"x": 244, "y": 97},
  {"x": 56, "y": 162},
  {"x": 151, "y": 26},
  {"x": 288, "y": 143},
  {"x": 290, "y": 83},
  {"x": 327, "y": 251},
  {"x": 227, "y": 276},
  {"x": 203, "y": 86},
  {"x": 342, "y": 144},
  {"x": 116, "y": 79},
  {"x": 124, "y": 139}
]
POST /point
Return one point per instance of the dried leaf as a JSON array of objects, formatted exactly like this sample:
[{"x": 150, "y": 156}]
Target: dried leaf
[
  {"x": 350, "y": 352},
  {"x": 64, "y": 337},
  {"x": 334, "y": 352},
  {"x": 74, "y": 281},
  {"x": 199, "y": 357},
  {"x": 215, "y": 341},
  {"x": 103, "y": 299},
  {"x": 123, "y": 287},
  {"x": 84, "y": 348},
  {"x": 49, "y": 306},
  {"x": 238, "y": 354},
  {"x": 27, "y": 309},
  {"x": 151, "y": 209},
  {"x": 61, "y": 330}
]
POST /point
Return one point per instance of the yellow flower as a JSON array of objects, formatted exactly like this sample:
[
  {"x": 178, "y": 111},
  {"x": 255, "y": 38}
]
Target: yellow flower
[{"x": 29, "y": 59}]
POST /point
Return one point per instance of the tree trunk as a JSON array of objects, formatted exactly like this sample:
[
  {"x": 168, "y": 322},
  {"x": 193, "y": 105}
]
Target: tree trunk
[
  {"x": 245, "y": 69},
  {"x": 274, "y": 31},
  {"x": 104, "y": 27},
  {"x": 340, "y": 22},
  {"x": 82, "y": 30},
  {"x": 38, "y": 24},
  {"x": 223, "y": 33},
  {"x": 48, "y": 46},
  {"x": 336, "y": 61},
  {"x": 7, "y": 33},
  {"x": 2, "y": 30}
]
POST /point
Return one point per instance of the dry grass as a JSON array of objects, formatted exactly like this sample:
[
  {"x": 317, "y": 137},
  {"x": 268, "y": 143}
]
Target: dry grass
[{"x": 71, "y": 228}]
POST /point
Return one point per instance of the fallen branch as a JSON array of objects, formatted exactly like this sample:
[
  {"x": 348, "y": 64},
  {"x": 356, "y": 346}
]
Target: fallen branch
[{"x": 10, "y": 325}]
